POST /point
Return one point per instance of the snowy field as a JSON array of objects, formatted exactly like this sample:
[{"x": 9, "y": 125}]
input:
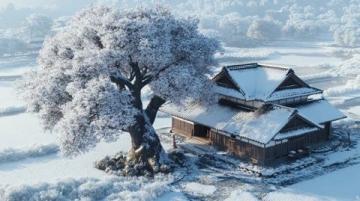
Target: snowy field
[{"x": 31, "y": 167}]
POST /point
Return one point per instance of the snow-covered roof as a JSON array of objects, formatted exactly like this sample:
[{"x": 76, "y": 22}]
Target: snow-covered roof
[
  {"x": 260, "y": 126},
  {"x": 259, "y": 82},
  {"x": 228, "y": 92},
  {"x": 290, "y": 93},
  {"x": 320, "y": 111},
  {"x": 294, "y": 133},
  {"x": 256, "y": 81}
]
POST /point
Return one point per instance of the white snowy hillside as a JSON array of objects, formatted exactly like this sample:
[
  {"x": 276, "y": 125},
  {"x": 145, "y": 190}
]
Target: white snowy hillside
[{"x": 320, "y": 40}]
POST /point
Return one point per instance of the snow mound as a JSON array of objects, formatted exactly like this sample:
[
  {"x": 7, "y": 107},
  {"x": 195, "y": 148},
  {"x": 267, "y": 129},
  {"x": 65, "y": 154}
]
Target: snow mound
[
  {"x": 199, "y": 189},
  {"x": 278, "y": 195},
  {"x": 241, "y": 195},
  {"x": 349, "y": 67},
  {"x": 352, "y": 86},
  {"x": 12, "y": 110},
  {"x": 172, "y": 196},
  {"x": 11, "y": 155},
  {"x": 90, "y": 189}
]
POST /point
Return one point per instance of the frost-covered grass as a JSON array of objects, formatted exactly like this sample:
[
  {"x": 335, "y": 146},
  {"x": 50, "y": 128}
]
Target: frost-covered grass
[
  {"x": 10, "y": 154},
  {"x": 91, "y": 189}
]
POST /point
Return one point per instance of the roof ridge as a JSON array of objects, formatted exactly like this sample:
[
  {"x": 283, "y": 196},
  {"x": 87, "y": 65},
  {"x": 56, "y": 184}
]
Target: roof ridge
[
  {"x": 275, "y": 66},
  {"x": 241, "y": 66},
  {"x": 256, "y": 65}
]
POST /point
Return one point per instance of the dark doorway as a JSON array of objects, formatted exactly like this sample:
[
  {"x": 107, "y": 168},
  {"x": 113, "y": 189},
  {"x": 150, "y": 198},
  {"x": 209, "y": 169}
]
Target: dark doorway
[{"x": 201, "y": 131}]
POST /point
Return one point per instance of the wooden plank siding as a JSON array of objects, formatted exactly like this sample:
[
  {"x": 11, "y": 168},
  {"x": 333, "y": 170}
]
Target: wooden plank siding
[
  {"x": 237, "y": 147},
  {"x": 182, "y": 127},
  {"x": 255, "y": 153},
  {"x": 282, "y": 149}
]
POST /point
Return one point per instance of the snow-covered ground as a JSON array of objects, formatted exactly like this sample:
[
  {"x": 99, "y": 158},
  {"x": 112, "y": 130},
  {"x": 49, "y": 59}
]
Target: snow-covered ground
[{"x": 31, "y": 166}]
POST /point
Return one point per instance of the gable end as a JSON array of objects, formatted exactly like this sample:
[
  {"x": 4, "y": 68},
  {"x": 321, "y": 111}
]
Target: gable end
[
  {"x": 222, "y": 79},
  {"x": 296, "y": 122},
  {"x": 291, "y": 82}
]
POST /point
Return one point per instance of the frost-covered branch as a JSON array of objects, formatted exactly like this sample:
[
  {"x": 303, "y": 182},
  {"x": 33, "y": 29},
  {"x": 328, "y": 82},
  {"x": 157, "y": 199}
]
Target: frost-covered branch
[
  {"x": 153, "y": 107},
  {"x": 121, "y": 82}
]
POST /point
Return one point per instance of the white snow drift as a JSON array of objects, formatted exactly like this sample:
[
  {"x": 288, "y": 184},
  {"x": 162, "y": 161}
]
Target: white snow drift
[{"x": 90, "y": 189}]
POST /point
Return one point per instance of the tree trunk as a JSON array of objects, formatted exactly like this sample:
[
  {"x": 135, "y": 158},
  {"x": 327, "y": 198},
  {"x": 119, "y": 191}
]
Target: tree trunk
[{"x": 146, "y": 156}]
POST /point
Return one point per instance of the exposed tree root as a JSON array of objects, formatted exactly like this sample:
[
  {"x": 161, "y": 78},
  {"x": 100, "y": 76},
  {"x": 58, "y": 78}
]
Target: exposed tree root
[{"x": 140, "y": 164}]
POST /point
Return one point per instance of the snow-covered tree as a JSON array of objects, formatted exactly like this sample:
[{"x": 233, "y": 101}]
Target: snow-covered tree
[
  {"x": 91, "y": 76},
  {"x": 347, "y": 32},
  {"x": 303, "y": 23},
  {"x": 36, "y": 27},
  {"x": 264, "y": 30}
]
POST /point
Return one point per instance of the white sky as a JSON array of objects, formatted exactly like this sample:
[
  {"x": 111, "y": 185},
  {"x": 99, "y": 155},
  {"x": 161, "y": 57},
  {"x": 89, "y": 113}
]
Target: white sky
[
  {"x": 50, "y": 3},
  {"x": 53, "y": 8},
  {"x": 27, "y": 3}
]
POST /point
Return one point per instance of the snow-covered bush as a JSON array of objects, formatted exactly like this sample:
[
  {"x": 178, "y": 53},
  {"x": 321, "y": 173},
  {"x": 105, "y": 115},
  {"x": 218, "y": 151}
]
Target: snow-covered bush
[{"x": 111, "y": 189}]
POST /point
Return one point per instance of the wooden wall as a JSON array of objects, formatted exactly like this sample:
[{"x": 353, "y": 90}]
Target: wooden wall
[
  {"x": 264, "y": 156},
  {"x": 295, "y": 143},
  {"x": 246, "y": 150},
  {"x": 237, "y": 147},
  {"x": 182, "y": 127}
]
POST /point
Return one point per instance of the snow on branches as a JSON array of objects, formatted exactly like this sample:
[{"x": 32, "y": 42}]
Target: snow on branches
[{"x": 88, "y": 87}]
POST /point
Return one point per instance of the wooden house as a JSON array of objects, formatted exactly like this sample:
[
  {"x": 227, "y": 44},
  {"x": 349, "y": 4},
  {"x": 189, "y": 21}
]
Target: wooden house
[{"x": 263, "y": 113}]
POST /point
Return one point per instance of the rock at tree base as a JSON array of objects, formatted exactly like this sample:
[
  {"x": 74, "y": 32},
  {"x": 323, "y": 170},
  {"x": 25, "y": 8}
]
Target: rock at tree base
[{"x": 121, "y": 166}]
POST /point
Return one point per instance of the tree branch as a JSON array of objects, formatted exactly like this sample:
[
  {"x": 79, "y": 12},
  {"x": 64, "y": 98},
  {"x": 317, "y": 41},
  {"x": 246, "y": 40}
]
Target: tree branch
[
  {"x": 121, "y": 82},
  {"x": 153, "y": 107},
  {"x": 148, "y": 78},
  {"x": 136, "y": 70},
  {"x": 136, "y": 90},
  {"x": 132, "y": 75}
]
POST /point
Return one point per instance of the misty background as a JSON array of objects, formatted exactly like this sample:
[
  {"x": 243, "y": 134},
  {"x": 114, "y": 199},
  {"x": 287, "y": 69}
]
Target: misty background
[{"x": 240, "y": 23}]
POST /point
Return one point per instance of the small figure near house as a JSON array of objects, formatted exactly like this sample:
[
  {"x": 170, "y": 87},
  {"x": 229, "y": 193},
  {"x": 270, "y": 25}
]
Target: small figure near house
[{"x": 264, "y": 112}]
